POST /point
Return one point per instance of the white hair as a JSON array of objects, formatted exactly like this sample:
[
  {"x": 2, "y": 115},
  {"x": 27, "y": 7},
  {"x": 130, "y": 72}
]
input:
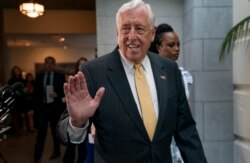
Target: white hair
[{"x": 132, "y": 5}]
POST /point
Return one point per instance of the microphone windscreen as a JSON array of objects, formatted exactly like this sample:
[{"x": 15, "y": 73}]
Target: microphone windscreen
[
  {"x": 4, "y": 88},
  {"x": 17, "y": 86}
]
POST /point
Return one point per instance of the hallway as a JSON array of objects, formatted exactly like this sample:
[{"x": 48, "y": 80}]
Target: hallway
[{"x": 20, "y": 148}]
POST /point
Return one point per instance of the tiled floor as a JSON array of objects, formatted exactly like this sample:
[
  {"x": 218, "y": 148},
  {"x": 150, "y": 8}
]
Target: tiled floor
[{"x": 20, "y": 148}]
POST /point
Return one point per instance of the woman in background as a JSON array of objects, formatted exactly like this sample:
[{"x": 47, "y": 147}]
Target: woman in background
[
  {"x": 29, "y": 101},
  {"x": 167, "y": 43},
  {"x": 16, "y": 112}
]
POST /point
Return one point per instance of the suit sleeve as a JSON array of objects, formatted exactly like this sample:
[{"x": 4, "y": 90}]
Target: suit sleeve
[
  {"x": 67, "y": 134},
  {"x": 62, "y": 128},
  {"x": 186, "y": 135}
]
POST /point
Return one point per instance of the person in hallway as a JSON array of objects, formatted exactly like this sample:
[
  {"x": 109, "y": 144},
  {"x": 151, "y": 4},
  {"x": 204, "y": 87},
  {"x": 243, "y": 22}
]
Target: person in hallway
[
  {"x": 49, "y": 106},
  {"x": 69, "y": 155},
  {"x": 18, "y": 109},
  {"x": 167, "y": 44},
  {"x": 135, "y": 99},
  {"x": 29, "y": 102}
]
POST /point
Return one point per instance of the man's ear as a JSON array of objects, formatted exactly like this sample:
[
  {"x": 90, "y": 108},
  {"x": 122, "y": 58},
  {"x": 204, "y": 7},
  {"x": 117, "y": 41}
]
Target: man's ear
[
  {"x": 153, "y": 33},
  {"x": 117, "y": 33}
]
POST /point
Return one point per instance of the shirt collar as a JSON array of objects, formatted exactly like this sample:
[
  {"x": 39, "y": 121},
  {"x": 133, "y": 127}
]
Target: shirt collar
[{"x": 145, "y": 62}]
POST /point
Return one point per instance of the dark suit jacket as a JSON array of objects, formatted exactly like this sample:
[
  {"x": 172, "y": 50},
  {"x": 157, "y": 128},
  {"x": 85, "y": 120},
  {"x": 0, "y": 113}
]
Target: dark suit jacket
[
  {"x": 121, "y": 136},
  {"x": 58, "y": 81}
]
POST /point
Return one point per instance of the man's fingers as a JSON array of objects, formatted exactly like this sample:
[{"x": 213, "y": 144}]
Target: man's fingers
[
  {"x": 71, "y": 84},
  {"x": 83, "y": 84},
  {"x": 99, "y": 94},
  {"x": 77, "y": 82},
  {"x": 66, "y": 89}
]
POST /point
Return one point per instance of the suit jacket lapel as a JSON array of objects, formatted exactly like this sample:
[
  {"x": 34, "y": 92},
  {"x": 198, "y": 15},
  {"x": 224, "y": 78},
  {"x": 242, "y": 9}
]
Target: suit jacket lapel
[
  {"x": 117, "y": 76},
  {"x": 161, "y": 79}
]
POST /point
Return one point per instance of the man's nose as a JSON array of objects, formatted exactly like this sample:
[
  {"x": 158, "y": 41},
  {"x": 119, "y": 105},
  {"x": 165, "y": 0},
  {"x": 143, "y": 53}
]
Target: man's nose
[{"x": 132, "y": 34}]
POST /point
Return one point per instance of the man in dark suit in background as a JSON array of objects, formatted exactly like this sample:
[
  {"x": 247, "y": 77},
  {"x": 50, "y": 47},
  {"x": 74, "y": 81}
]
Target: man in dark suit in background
[
  {"x": 108, "y": 91},
  {"x": 49, "y": 106}
]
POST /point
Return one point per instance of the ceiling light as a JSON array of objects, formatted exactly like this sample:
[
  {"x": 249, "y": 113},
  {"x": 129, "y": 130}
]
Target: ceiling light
[
  {"x": 31, "y": 9},
  {"x": 62, "y": 39},
  {"x": 58, "y": 38}
]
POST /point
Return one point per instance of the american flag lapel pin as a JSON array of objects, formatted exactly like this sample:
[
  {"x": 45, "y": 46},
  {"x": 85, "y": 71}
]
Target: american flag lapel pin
[{"x": 163, "y": 77}]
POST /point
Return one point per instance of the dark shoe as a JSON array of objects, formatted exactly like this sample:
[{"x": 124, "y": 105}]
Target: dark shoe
[{"x": 55, "y": 155}]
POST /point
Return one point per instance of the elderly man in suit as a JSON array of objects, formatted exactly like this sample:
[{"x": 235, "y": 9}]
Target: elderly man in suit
[{"x": 135, "y": 99}]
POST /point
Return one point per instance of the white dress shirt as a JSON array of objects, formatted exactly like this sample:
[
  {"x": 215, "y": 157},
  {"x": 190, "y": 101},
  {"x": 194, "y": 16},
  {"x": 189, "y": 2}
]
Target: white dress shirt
[{"x": 129, "y": 70}]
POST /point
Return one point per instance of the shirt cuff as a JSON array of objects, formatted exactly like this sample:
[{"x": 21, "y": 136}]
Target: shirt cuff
[{"x": 77, "y": 135}]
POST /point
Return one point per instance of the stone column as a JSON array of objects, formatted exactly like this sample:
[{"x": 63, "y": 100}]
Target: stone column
[
  {"x": 241, "y": 80},
  {"x": 205, "y": 25}
]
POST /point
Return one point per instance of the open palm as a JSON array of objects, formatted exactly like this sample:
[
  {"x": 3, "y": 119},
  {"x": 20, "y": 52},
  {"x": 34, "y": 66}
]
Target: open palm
[{"x": 81, "y": 106}]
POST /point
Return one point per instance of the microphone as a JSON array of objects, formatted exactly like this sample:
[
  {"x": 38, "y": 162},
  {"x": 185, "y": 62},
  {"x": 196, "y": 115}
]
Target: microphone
[
  {"x": 7, "y": 98},
  {"x": 17, "y": 88}
]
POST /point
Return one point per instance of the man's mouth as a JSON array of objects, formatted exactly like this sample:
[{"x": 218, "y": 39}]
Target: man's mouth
[{"x": 133, "y": 46}]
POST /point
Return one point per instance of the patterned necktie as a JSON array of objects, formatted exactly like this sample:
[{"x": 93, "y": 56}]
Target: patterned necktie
[{"x": 146, "y": 102}]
